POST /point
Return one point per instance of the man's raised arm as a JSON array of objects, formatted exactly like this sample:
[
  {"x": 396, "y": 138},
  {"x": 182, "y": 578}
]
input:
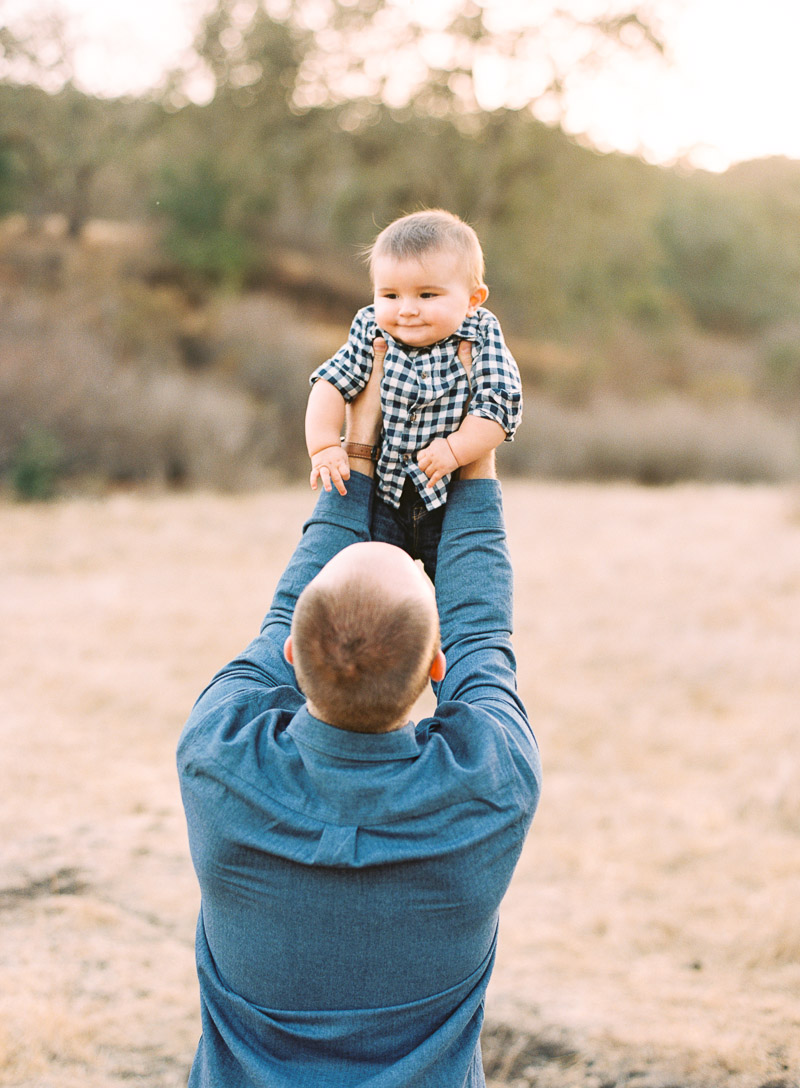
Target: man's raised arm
[
  {"x": 474, "y": 593},
  {"x": 337, "y": 521}
]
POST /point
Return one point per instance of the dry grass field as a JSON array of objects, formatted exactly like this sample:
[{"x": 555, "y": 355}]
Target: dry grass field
[{"x": 652, "y": 932}]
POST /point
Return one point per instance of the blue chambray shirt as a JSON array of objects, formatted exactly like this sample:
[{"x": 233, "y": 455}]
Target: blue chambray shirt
[
  {"x": 351, "y": 882},
  {"x": 424, "y": 393}
]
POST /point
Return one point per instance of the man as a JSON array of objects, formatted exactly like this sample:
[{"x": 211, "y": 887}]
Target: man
[{"x": 351, "y": 864}]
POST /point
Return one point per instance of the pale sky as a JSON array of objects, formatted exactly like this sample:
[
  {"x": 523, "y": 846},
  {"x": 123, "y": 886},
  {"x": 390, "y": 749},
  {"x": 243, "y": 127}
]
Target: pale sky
[{"x": 732, "y": 92}]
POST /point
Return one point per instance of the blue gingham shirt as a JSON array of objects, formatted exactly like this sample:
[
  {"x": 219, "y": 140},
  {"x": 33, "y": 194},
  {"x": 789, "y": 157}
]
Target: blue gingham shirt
[{"x": 424, "y": 393}]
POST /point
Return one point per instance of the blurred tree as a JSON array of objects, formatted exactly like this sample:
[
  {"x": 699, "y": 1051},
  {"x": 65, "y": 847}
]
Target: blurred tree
[
  {"x": 9, "y": 177},
  {"x": 726, "y": 260},
  {"x": 63, "y": 141},
  {"x": 62, "y": 138},
  {"x": 310, "y": 53},
  {"x": 35, "y": 46},
  {"x": 475, "y": 55},
  {"x": 252, "y": 58},
  {"x": 251, "y": 61},
  {"x": 207, "y": 233},
  {"x": 335, "y": 116}
]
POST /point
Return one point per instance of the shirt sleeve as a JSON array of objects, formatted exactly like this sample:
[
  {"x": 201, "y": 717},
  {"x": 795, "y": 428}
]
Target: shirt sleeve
[
  {"x": 349, "y": 369},
  {"x": 496, "y": 381},
  {"x": 337, "y": 521},
  {"x": 474, "y": 593}
]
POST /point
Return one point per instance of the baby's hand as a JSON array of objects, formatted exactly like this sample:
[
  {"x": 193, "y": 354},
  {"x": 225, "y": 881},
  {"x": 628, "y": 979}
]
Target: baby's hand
[
  {"x": 437, "y": 460},
  {"x": 331, "y": 465}
]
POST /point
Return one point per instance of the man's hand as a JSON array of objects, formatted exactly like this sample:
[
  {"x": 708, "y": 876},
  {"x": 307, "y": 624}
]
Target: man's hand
[
  {"x": 363, "y": 420},
  {"x": 465, "y": 358},
  {"x": 332, "y": 467}
]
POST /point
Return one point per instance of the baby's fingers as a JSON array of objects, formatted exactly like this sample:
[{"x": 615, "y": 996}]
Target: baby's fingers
[
  {"x": 325, "y": 477},
  {"x": 335, "y": 478},
  {"x": 434, "y": 476}
]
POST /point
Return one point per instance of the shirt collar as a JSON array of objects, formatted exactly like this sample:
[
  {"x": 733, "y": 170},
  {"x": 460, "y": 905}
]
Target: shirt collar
[
  {"x": 466, "y": 331},
  {"x": 310, "y": 732},
  {"x": 469, "y": 326}
]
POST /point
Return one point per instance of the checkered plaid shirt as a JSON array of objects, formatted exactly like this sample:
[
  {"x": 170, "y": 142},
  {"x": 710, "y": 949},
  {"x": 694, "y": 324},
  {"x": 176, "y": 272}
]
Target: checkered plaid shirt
[{"x": 424, "y": 393}]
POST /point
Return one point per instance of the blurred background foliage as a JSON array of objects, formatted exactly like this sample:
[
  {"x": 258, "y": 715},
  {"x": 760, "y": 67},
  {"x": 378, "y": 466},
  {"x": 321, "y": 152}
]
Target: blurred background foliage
[{"x": 171, "y": 272}]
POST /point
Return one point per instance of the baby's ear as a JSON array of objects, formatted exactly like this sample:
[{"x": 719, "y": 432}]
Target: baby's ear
[{"x": 478, "y": 297}]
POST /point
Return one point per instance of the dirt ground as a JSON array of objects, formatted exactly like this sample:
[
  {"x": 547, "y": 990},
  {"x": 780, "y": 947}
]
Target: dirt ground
[{"x": 652, "y": 931}]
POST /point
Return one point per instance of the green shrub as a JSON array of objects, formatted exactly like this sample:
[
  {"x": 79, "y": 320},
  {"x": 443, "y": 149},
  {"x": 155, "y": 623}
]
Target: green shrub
[
  {"x": 35, "y": 466},
  {"x": 727, "y": 262},
  {"x": 206, "y": 232},
  {"x": 782, "y": 370},
  {"x": 9, "y": 178}
]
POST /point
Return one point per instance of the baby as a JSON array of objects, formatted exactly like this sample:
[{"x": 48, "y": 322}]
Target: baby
[{"x": 439, "y": 411}]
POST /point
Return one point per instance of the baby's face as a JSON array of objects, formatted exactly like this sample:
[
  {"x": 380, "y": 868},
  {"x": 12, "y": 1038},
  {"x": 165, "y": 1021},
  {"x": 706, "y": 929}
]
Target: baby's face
[{"x": 421, "y": 301}]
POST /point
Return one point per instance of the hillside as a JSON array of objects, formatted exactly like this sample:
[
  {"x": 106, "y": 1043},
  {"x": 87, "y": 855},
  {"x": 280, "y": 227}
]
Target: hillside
[
  {"x": 654, "y": 313},
  {"x": 111, "y": 373}
]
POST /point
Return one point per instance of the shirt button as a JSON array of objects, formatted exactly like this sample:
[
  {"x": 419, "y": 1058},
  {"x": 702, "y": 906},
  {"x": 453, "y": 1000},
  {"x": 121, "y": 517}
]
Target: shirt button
[
  {"x": 412, "y": 416},
  {"x": 405, "y": 458},
  {"x": 424, "y": 374}
]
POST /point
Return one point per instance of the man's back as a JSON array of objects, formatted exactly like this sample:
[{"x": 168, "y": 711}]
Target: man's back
[{"x": 351, "y": 881}]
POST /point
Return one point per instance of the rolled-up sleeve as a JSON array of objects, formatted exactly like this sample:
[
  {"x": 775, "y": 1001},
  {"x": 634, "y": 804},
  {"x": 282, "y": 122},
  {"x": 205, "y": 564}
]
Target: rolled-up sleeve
[
  {"x": 496, "y": 381},
  {"x": 474, "y": 594},
  {"x": 349, "y": 369}
]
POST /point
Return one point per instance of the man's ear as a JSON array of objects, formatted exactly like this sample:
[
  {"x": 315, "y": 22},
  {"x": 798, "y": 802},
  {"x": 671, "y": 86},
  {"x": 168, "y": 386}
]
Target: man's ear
[
  {"x": 438, "y": 667},
  {"x": 478, "y": 297},
  {"x": 287, "y": 650}
]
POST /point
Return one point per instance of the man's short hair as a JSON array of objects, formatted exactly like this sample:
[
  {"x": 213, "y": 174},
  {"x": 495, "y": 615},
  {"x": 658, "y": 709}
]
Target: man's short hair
[
  {"x": 362, "y": 658},
  {"x": 413, "y": 236}
]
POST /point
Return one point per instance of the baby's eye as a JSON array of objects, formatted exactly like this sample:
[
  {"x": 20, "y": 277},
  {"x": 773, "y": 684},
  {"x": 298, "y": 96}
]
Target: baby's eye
[{"x": 429, "y": 294}]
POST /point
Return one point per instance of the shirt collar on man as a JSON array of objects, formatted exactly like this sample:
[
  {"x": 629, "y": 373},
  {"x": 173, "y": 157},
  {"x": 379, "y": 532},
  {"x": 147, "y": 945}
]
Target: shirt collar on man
[{"x": 310, "y": 732}]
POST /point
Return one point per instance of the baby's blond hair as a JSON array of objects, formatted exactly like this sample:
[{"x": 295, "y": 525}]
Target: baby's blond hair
[{"x": 412, "y": 236}]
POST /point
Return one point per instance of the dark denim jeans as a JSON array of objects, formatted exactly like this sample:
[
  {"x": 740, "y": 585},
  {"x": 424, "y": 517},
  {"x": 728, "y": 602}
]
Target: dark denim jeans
[{"x": 411, "y": 526}]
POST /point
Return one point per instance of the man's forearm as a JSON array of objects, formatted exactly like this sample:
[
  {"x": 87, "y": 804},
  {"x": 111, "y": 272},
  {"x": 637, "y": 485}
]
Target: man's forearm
[
  {"x": 475, "y": 567},
  {"x": 474, "y": 589},
  {"x": 338, "y": 520},
  {"x": 481, "y": 469},
  {"x": 364, "y": 420}
]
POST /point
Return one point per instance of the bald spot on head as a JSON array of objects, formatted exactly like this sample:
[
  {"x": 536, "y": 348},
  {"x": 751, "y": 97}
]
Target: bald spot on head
[
  {"x": 388, "y": 570},
  {"x": 364, "y": 634}
]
